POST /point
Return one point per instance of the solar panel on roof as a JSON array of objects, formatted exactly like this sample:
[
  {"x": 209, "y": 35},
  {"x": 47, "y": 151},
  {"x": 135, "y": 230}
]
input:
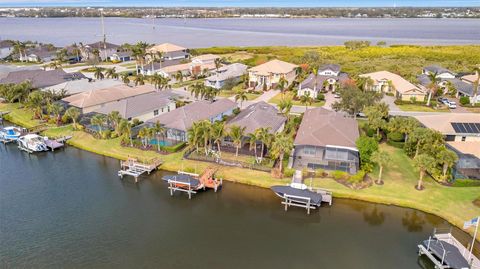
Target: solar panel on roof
[
  {"x": 478, "y": 126},
  {"x": 474, "y": 128},
  {"x": 468, "y": 127},
  {"x": 455, "y": 127}
]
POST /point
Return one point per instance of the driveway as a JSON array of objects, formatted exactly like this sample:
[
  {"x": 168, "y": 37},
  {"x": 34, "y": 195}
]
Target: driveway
[
  {"x": 329, "y": 100},
  {"x": 390, "y": 101}
]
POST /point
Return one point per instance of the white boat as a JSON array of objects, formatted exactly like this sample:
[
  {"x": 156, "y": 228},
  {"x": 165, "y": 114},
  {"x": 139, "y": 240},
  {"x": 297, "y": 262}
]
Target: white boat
[
  {"x": 32, "y": 143},
  {"x": 10, "y": 133}
]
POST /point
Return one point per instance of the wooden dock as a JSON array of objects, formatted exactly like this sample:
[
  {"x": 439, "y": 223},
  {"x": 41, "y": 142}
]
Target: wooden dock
[
  {"x": 190, "y": 183},
  {"x": 132, "y": 167},
  {"x": 54, "y": 144},
  {"x": 446, "y": 252}
]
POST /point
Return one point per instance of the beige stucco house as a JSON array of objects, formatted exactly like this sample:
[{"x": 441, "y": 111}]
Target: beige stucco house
[
  {"x": 270, "y": 73},
  {"x": 388, "y": 82}
]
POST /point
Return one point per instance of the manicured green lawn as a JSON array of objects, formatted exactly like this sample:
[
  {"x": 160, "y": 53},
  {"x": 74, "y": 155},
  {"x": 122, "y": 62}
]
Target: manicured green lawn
[
  {"x": 19, "y": 116},
  {"x": 277, "y": 99},
  {"x": 452, "y": 203},
  {"x": 186, "y": 83},
  {"x": 421, "y": 108}
]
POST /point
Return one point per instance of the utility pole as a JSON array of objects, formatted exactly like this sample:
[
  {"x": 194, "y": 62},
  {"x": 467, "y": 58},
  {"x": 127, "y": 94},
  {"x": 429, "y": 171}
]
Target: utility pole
[{"x": 104, "y": 36}]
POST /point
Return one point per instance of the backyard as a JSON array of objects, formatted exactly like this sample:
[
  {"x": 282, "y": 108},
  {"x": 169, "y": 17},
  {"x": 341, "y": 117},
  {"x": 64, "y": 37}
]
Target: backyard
[{"x": 278, "y": 98}]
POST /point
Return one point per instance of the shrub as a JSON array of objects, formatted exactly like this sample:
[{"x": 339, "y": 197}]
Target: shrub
[
  {"x": 464, "y": 100},
  {"x": 358, "y": 177},
  {"x": 369, "y": 131},
  {"x": 288, "y": 172},
  {"x": 321, "y": 97},
  {"x": 366, "y": 147},
  {"x": 340, "y": 175},
  {"x": 174, "y": 148},
  {"x": 466, "y": 183},
  {"x": 395, "y": 137},
  {"x": 399, "y": 145}
]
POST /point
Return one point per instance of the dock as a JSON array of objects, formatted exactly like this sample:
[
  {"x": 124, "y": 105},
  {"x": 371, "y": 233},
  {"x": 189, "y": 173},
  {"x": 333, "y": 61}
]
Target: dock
[
  {"x": 132, "y": 167},
  {"x": 54, "y": 144},
  {"x": 190, "y": 183},
  {"x": 446, "y": 252},
  {"x": 298, "y": 194}
]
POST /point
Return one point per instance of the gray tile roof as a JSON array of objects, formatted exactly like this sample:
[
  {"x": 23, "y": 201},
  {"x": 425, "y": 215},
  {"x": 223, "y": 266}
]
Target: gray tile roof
[
  {"x": 460, "y": 85},
  {"x": 40, "y": 78},
  {"x": 258, "y": 115},
  {"x": 183, "y": 117},
  {"x": 99, "y": 45},
  {"x": 42, "y": 52},
  {"x": 310, "y": 81},
  {"x": 138, "y": 105},
  {"x": 322, "y": 127},
  {"x": 6, "y": 44},
  {"x": 437, "y": 69},
  {"x": 333, "y": 67},
  {"x": 230, "y": 71}
]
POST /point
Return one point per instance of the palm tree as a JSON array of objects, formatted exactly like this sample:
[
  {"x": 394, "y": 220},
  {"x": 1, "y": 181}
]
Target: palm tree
[
  {"x": 218, "y": 64},
  {"x": 73, "y": 113},
  {"x": 236, "y": 133},
  {"x": 159, "y": 130},
  {"x": 125, "y": 78},
  {"x": 179, "y": 76},
  {"x": 218, "y": 133},
  {"x": 263, "y": 134},
  {"x": 381, "y": 158},
  {"x": 196, "y": 89},
  {"x": 281, "y": 145},
  {"x": 76, "y": 51},
  {"x": 61, "y": 55},
  {"x": 205, "y": 127},
  {"x": 282, "y": 84},
  {"x": 35, "y": 101},
  {"x": 126, "y": 128},
  {"x": 55, "y": 109},
  {"x": 110, "y": 73},
  {"x": 194, "y": 136},
  {"x": 475, "y": 85},
  {"x": 423, "y": 162},
  {"x": 447, "y": 159},
  {"x": 159, "y": 81},
  {"x": 285, "y": 105},
  {"x": 98, "y": 73},
  {"x": 306, "y": 100},
  {"x": 114, "y": 118},
  {"x": 139, "y": 53},
  {"x": 432, "y": 86},
  {"x": 139, "y": 79},
  {"x": 252, "y": 141},
  {"x": 98, "y": 120},
  {"x": 143, "y": 134},
  {"x": 20, "y": 48},
  {"x": 242, "y": 96}
]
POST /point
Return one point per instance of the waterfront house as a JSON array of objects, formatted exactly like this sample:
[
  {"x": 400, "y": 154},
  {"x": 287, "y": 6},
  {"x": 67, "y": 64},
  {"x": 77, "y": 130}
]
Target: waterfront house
[
  {"x": 141, "y": 107},
  {"x": 256, "y": 116},
  {"x": 92, "y": 100},
  {"x": 6, "y": 48},
  {"x": 328, "y": 78},
  {"x": 270, "y": 73},
  {"x": 462, "y": 135},
  {"x": 464, "y": 85},
  {"x": 232, "y": 72},
  {"x": 105, "y": 49},
  {"x": 39, "y": 54},
  {"x": 326, "y": 140},
  {"x": 170, "y": 51},
  {"x": 390, "y": 83},
  {"x": 41, "y": 79},
  {"x": 178, "y": 121},
  {"x": 71, "y": 87}
]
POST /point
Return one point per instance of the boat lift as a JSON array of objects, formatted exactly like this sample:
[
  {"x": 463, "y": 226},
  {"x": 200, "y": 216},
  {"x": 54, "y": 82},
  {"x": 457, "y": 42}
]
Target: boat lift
[
  {"x": 132, "y": 167},
  {"x": 191, "y": 182}
]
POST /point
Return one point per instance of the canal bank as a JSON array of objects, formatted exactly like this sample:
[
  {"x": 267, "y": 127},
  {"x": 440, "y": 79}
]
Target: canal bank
[
  {"x": 453, "y": 204},
  {"x": 79, "y": 214}
]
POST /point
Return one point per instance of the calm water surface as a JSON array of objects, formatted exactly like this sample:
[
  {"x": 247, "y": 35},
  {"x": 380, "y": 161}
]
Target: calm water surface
[
  {"x": 243, "y": 31},
  {"x": 68, "y": 209}
]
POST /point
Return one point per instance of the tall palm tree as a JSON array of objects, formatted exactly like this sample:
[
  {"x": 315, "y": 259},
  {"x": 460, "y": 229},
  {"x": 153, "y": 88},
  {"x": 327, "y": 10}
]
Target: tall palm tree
[
  {"x": 433, "y": 86},
  {"x": 423, "y": 162},
  {"x": 281, "y": 145},
  {"x": 111, "y": 73},
  {"x": 218, "y": 64},
  {"x": 196, "y": 89},
  {"x": 98, "y": 120},
  {"x": 35, "y": 101},
  {"x": 447, "y": 159},
  {"x": 126, "y": 128},
  {"x": 98, "y": 74},
  {"x": 139, "y": 79},
  {"x": 194, "y": 136},
  {"x": 242, "y": 96},
  {"x": 475, "y": 85},
  {"x": 218, "y": 133},
  {"x": 205, "y": 128},
  {"x": 125, "y": 78},
  {"x": 56, "y": 109},
  {"x": 114, "y": 118},
  {"x": 263, "y": 134},
  {"x": 252, "y": 141},
  {"x": 282, "y": 84},
  {"x": 285, "y": 105},
  {"x": 76, "y": 51},
  {"x": 381, "y": 158},
  {"x": 179, "y": 76},
  {"x": 20, "y": 48},
  {"x": 142, "y": 134},
  {"x": 306, "y": 100},
  {"x": 73, "y": 113},
  {"x": 236, "y": 133},
  {"x": 158, "y": 81},
  {"x": 159, "y": 131}
]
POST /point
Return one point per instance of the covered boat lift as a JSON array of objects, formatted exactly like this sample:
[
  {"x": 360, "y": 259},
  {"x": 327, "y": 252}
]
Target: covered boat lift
[{"x": 191, "y": 182}]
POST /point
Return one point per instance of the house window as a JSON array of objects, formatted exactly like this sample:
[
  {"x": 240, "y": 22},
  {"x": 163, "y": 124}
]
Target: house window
[
  {"x": 155, "y": 112},
  {"x": 129, "y": 119},
  {"x": 464, "y": 138},
  {"x": 309, "y": 151}
]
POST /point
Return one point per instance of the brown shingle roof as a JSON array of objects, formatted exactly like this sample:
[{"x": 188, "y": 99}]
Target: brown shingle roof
[
  {"x": 258, "y": 115},
  {"x": 183, "y": 117},
  {"x": 103, "y": 96},
  {"x": 322, "y": 127}
]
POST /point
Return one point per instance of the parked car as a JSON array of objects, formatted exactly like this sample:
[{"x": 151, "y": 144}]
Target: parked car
[
  {"x": 451, "y": 104},
  {"x": 442, "y": 100},
  {"x": 336, "y": 95}
]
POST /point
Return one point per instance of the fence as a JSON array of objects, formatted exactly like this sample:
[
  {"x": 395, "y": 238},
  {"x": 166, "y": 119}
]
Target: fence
[{"x": 192, "y": 155}]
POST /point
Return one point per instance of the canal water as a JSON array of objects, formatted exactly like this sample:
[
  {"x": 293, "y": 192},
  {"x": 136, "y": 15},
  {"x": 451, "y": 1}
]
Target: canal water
[{"x": 68, "y": 209}]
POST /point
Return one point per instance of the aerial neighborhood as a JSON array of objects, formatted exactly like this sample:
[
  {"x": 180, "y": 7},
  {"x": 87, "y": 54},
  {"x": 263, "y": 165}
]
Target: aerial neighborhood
[{"x": 270, "y": 116}]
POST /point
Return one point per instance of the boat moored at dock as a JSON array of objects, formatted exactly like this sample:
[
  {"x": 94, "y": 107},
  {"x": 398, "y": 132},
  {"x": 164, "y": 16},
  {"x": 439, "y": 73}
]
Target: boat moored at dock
[
  {"x": 32, "y": 143},
  {"x": 10, "y": 134},
  {"x": 191, "y": 183}
]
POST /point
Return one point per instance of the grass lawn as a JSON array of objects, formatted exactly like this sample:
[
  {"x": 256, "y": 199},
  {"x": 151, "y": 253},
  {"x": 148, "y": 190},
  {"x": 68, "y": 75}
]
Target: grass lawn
[
  {"x": 455, "y": 204},
  {"x": 19, "y": 116},
  {"x": 277, "y": 98},
  {"x": 250, "y": 96},
  {"x": 186, "y": 83},
  {"x": 421, "y": 108}
]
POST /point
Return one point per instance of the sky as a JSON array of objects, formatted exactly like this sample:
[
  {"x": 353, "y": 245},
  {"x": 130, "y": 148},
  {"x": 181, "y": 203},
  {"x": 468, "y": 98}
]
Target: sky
[{"x": 243, "y": 3}]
